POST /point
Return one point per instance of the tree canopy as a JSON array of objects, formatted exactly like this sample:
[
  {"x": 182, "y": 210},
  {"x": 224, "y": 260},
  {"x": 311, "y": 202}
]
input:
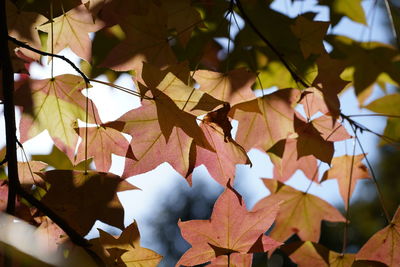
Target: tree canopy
[{"x": 192, "y": 86}]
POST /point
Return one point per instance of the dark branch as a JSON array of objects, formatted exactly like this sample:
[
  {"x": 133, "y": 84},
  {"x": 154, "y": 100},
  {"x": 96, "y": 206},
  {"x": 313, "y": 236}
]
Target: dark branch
[
  {"x": 40, "y": 52},
  {"x": 4, "y": 161},
  {"x": 285, "y": 63},
  {"x": 9, "y": 111}
]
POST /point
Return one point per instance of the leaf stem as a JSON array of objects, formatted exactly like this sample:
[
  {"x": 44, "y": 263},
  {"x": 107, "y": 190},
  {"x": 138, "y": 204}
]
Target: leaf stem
[
  {"x": 379, "y": 192},
  {"x": 52, "y": 37},
  {"x": 86, "y": 127},
  {"x": 121, "y": 88},
  {"x": 347, "y": 207},
  {"x": 374, "y": 115}
]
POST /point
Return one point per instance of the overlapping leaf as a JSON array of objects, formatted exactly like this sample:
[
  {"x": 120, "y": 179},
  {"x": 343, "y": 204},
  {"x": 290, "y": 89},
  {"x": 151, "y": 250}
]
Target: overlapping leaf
[
  {"x": 300, "y": 213},
  {"x": 57, "y": 105},
  {"x": 259, "y": 119},
  {"x": 182, "y": 17},
  {"x": 80, "y": 199},
  {"x": 311, "y": 142},
  {"x": 233, "y": 87},
  {"x": 101, "y": 142},
  {"x": 368, "y": 60},
  {"x": 146, "y": 41},
  {"x": 313, "y": 254},
  {"x": 384, "y": 246},
  {"x": 221, "y": 164},
  {"x": 286, "y": 161},
  {"x": 72, "y": 29},
  {"x": 21, "y": 25},
  {"x": 124, "y": 250},
  {"x": 310, "y": 34},
  {"x": 149, "y": 146},
  {"x": 231, "y": 229},
  {"x": 347, "y": 170},
  {"x": 186, "y": 98},
  {"x": 340, "y": 8}
]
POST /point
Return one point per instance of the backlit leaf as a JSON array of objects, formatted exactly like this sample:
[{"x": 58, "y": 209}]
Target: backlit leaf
[
  {"x": 102, "y": 141},
  {"x": 259, "y": 119},
  {"x": 125, "y": 250},
  {"x": 384, "y": 246},
  {"x": 313, "y": 254},
  {"x": 233, "y": 87},
  {"x": 72, "y": 29},
  {"x": 347, "y": 174},
  {"x": 57, "y": 105},
  {"x": 231, "y": 229},
  {"x": 300, "y": 213}
]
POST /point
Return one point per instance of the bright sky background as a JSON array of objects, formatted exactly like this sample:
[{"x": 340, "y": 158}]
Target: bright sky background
[{"x": 138, "y": 204}]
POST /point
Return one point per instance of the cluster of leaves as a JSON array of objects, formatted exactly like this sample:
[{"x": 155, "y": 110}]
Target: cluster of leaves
[{"x": 190, "y": 92}]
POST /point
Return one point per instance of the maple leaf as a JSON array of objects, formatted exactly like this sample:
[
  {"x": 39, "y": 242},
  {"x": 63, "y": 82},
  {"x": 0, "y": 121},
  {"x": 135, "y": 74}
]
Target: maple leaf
[
  {"x": 300, "y": 213},
  {"x": 152, "y": 76},
  {"x": 258, "y": 119},
  {"x": 312, "y": 254},
  {"x": 124, "y": 250},
  {"x": 369, "y": 60},
  {"x": 384, "y": 246},
  {"x": 57, "y": 105},
  {"x": 182, "y": 17},
  {"x": 59, "y": 160},
  {"x": 312, "y": 100},
  {"x": 21, "y": 25},
  {"x": 311, "y": 142},
  {"x": 27, "y": 173},
  {"x": 339, "y": 8},
  {"x": 170, "y": 116},
  {"x": 221, "y": 164},
  {"x": 146, "y": 41},
  {"x": 329, "y": 82},
  {"x": 233, "y": 87},
  {"x": 310, "y": 34},
  {"x": 186, "y": 98},
  {"x": 388, "y": 104},
  {"x": 72, "y": 29},
  {"x": 80, "y": 199},
  {"x": 288, "y": 161},
  {"x": 347, "y": 174},
  {"x": 230, "y": 229},
  {"x": 149, "y": 147},
  {"x": 101, "y": 142},
  {"x": 329, "y": 131}
]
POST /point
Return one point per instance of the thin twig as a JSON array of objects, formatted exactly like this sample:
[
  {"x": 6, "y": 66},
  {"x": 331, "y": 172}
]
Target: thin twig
[
  {"x": 346, "y": 225},
  {"x": 374, "y": 115},
  {"x": 292, "y": 72},
  {"x": 380, "y": 195},
  {"x": 123, "y": 89},
  {"x": 40, "y": 52}
]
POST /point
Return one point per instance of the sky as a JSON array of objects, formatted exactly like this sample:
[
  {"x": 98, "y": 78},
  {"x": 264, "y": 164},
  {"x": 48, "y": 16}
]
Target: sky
[{"x": 139, "y": 205}]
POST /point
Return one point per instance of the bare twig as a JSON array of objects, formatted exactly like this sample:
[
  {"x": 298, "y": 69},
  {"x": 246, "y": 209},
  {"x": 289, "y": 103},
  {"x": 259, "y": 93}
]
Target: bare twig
[{"x": 40, "y": 52}]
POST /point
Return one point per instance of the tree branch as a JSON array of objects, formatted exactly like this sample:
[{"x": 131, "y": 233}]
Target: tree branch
[
  {"x": 292, "y": 72},
  {"x": 40, "y": 52},
  {"x": 9, "y": 111}
]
